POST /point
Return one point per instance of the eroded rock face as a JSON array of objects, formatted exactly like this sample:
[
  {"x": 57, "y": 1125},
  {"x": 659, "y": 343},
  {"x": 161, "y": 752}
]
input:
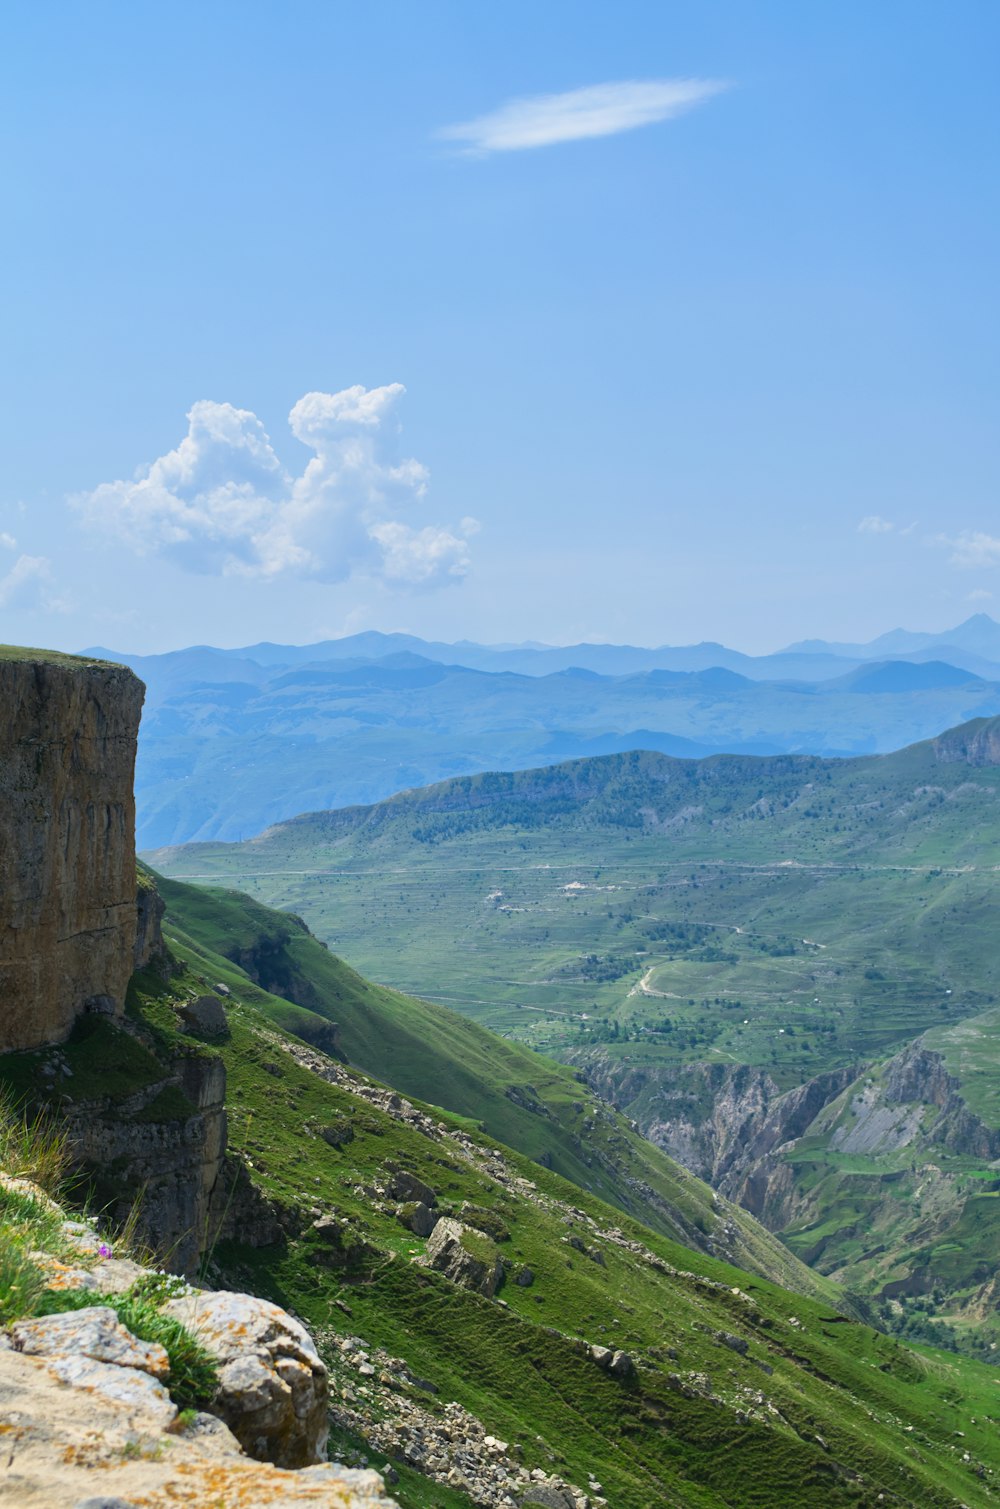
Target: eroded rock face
[
  {"x": 67, "y": 843},
  {"x": 273, "y": 1386},
  {"x": 464, "y": 1256}
]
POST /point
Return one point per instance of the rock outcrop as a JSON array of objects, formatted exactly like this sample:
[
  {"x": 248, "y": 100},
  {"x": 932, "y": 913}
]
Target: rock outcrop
[
  {"x": 172, "y": 1166},
  {"x": 465, "y": 1257},
  {"x": 975, "y": 743},
  {"x": 87, "y": 1409},
  {"x": 67, "y": 842},
  {"x": 69, "y": 1443},
  {"x": 272, "y": 1384}
]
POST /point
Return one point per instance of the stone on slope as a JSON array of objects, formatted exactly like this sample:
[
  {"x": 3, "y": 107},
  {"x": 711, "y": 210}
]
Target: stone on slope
[
  {"x": 406, "y": 1186},
  {"x": 205, "y": 1014},
  {"x": 272, "y": 1383},
  {"x": 463, "y": 1256}
]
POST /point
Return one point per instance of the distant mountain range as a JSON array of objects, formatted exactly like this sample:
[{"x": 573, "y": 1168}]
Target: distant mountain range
[
  {"x": 973, "y": 646},
  {"x": 235, "y": 739}
]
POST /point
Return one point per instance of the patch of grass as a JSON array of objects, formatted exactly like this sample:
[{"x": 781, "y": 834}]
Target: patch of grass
[
  {"x": 32, "y": 1145},
  {"x": 194, "y": 1377},
  {"x": 21, "y": 1279}
]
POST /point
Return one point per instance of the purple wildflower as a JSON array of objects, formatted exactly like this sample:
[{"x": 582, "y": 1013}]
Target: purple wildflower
[{"x": 104, "y": 1250}]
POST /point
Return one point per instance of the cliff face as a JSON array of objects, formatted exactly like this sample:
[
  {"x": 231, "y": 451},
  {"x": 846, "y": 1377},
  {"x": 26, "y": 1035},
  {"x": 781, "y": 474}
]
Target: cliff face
[
  {"x": 67, "y": 843},
  {"x": 975, "y": 743}
]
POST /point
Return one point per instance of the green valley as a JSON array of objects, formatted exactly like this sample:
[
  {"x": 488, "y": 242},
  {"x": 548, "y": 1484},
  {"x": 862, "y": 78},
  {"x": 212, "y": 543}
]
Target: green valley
[{"x": 753, "y": 936}]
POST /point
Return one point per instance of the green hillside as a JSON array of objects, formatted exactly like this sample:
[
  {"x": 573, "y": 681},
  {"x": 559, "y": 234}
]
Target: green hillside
[
  {"x": 733, "y": 1392},
  {"x": 640, "y": 917},
  {"x": 790, "y": 912},
  {"x": 532, "y": 1104}
]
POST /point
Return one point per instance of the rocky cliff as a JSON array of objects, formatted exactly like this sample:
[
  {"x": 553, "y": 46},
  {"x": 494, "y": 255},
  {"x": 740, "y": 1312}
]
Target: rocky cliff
[
  {"x": 976, "y": 743},
  {"x": 67, "y": 842}
]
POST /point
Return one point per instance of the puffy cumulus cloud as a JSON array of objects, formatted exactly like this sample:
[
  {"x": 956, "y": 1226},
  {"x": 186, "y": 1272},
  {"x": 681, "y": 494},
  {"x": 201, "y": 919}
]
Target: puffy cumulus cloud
[
  {"x": 223, "y": 502},
  {"x": 28, "y": 584},
  {"x": 422, "y": 557},
  {"x": 873, "y": 524}
]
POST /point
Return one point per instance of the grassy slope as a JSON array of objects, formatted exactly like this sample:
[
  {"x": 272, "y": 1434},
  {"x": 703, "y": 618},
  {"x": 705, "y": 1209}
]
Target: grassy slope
[
  {"x": 695, "y": 927},
  {"x": 846, "y": 902},
  {"x": 814, "y": 1412},
  {"x": 514, "y": 1095}
]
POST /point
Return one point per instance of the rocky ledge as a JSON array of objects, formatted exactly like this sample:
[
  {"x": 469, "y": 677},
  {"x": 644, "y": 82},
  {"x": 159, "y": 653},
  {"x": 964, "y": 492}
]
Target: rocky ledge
[{"x": 86, "y": 1411}]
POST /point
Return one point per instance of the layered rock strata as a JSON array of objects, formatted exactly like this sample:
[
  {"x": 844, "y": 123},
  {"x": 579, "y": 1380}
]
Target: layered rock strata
[{"x": 67, "y": 842}]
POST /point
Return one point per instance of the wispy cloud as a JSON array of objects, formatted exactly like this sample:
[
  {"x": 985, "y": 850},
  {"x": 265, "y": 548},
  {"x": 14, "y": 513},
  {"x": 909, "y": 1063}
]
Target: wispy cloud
[
  {"x": 223, "y": 503},
  {"x": 28, "y": 584},
  {"x": 541, "y": 120},
  {"x": 874, "y": 524},
  {"x": 971, "y": 548}
]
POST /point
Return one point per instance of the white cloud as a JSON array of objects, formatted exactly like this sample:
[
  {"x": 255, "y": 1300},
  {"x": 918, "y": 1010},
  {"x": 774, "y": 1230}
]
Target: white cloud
[
  {"x": 27, "y": 583},
  {"x": 972, "y": 548},
  {"x": 541, "y": 120},
  {"x": 7, "y": 541},
  {"x": 873, "y": 524},
  {"x": 222, "y": 502},
  {"x": 979, "y": 595},
  {"x": 421, "y": 557}
]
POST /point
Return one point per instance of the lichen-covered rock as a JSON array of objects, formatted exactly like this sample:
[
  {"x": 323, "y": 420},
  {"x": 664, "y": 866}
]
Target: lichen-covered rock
[
  {"x": 67, "y": 843},
  {"x": 96, "y": 1333},
  {"x": 466, "y": 1257},
  {"x": 127, "y": 1386},
  {"x": 76, "y": 1446},
  {"x": 272, "y": 1383}
]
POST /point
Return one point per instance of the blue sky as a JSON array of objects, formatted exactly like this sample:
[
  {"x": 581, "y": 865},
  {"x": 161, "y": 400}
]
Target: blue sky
[{"x": 632, "y": 364}]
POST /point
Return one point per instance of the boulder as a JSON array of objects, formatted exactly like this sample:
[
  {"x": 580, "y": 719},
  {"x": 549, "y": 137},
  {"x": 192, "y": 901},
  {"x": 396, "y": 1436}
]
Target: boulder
[
  {"x": 206, "y": 1015},
  {"x": 621, "y": 1366},
  {"x": 404, "y": 1186},
  {"x": 546, "y": 1496},
  {"x": 524, "y": 1278},
  {"x": 272, "y": 1383},
  {"x": 466, "y": 1257},
  {"x": 341, "y": 1248},
  {"x": 418, "y": 1218}
]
